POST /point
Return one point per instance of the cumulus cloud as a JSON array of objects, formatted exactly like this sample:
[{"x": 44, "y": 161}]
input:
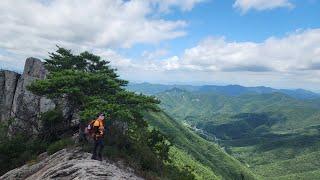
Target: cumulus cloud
[
  {"x": 290, "y": 61},
  {"x": 116, "y": 60},
  {"x": 158, "y": 53},
  {"x": 246, "y": 5},
  {"x": 184, "y": 5},
  {"x": 32, "y": 28},
  {"x": 296, "y": 51}
]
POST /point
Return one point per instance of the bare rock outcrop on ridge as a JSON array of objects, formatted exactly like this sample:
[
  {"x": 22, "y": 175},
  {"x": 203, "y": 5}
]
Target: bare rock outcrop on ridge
[
  {"x": 27, "y": 106},
  {"x": 8, "y": 83},
  {"x": 70, "y": 164},
  {"x": 20, "y": 104}
]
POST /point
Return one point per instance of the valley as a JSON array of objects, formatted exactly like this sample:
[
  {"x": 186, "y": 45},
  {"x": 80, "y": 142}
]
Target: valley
[{"x": 276, "y": 135}]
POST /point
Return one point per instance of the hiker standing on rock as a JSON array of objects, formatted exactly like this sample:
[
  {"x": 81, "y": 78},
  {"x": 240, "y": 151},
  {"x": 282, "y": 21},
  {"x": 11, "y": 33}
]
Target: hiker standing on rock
[{"x": 97, "y": 130}]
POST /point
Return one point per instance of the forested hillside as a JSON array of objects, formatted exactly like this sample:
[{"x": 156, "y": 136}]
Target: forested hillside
[
  {"x": 275, "y": 134},
  {"x": 206, "y": 158},
  {"x": 292, "y": 114}
]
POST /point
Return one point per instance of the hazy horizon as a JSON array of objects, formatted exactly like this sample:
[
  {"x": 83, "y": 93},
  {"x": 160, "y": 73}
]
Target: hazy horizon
[
  {"x": 217, "y": 84},
  {"x": 198, "y": 83}
]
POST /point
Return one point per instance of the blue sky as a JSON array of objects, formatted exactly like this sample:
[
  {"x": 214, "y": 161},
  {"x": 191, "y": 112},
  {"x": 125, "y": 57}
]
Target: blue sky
[
  {"x": 248, "y": 42},
  {"x": 219, "y": 18}
]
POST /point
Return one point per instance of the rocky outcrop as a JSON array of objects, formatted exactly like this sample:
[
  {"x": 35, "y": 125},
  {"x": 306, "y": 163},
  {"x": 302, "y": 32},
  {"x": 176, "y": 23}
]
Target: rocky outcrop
[
  {"x": 24, "y": 100},
  {"x": 71, "y": 164},
  {"x": 27, "y": 106},
  {"x": 16, "y": 101},
  {"x": 8, "y": 83},
  {"x": 24, "y": 107}
]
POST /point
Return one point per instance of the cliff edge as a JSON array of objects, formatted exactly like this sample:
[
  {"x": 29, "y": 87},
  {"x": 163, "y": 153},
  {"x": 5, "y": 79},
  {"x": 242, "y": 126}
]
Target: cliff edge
[{"x": 70, "y": 164}]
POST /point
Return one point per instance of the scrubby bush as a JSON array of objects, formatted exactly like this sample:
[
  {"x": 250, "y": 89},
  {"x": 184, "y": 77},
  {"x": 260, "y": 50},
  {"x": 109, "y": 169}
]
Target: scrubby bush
[
  {"x": 52, "y": 125},
  {"x": 58, "y": 145},
  {"x": 17, "y": 150},
  {"x": 159, "y": 144}
]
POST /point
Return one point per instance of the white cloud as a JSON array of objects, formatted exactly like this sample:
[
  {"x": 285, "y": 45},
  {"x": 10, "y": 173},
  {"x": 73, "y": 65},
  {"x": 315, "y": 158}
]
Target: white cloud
[
  {"x": 158, "y": 53},
  {"x": 32, "y": 28},
  {"x": 116, "y": 60},
  {"x": 185, "y": 5},
  {"x": 171, "y": 63},
  {"x": 292, "y": 61},
  {"x": 297, "y": 51},
  {"x": 246, "y": 5}
]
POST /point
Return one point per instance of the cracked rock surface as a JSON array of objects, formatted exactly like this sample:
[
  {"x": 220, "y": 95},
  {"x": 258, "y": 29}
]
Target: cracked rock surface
[{"x": 70, "y": 164}]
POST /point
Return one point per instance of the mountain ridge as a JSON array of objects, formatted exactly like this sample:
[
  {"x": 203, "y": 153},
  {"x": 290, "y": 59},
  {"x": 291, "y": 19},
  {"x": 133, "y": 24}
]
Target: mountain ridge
[
  {"x": 274, "y": 133},
  {"x": 232, "y": 90}
]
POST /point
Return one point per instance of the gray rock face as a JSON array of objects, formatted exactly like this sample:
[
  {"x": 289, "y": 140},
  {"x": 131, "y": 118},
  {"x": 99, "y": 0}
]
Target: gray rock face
[
  {"x": 26, "y": 106},
  {"x": 19, "y": 103},
  {"x": 2, "y": 82},
  {"x": 8, "y": 83},
  {"x": 70, "y": 164},
  {"x": 25, "y": 101}
]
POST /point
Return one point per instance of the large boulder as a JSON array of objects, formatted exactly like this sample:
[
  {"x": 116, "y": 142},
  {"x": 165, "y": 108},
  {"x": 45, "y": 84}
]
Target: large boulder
[{"x": 71, "y": 164}]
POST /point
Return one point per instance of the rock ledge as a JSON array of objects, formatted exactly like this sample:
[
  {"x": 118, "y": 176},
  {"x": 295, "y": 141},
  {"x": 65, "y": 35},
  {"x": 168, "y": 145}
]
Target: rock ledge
[{"x": 70, "y": 164}]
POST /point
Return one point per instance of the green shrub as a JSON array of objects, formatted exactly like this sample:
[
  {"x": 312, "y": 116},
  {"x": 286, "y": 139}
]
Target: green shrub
[
  {"x": 58, "y": 145},
  {"x": 17, "y": 150},
  {"x": 52, "y": 125},
  {"x": 159, "y": 144}
]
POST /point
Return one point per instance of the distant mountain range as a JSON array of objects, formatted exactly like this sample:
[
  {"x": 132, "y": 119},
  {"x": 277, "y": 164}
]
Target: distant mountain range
[
  {"x": 276, "y": 132},
  {"x": 232, "y": 90},
  {"x": 196, "y": 107}
]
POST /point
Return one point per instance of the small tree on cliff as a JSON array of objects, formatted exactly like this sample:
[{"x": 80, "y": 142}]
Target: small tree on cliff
[{"x": 90, "y": 85}]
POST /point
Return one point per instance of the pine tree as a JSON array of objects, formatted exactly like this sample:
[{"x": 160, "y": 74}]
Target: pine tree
[{"x": 90, "y": 86}]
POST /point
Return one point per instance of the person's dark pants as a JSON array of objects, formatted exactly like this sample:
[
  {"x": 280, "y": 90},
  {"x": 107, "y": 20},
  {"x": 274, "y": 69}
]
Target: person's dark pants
[{"x": 97, "y": 150}]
